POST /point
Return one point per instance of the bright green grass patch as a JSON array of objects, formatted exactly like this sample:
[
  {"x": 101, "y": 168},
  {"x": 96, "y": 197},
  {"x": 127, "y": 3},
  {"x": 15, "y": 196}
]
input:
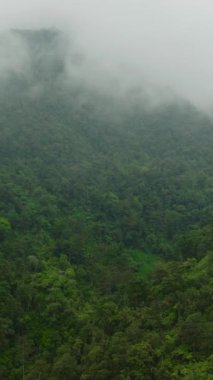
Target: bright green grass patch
[{"x": 142, "y": 262}]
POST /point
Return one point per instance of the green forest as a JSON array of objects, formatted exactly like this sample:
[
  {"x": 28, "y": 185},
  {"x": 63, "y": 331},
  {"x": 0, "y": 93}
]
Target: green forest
[{"x": 106, "y": 229}]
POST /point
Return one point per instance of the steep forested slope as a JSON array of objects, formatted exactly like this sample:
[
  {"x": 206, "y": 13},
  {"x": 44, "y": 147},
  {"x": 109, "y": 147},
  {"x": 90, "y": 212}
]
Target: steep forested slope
[{"x": 95, "y": 191}]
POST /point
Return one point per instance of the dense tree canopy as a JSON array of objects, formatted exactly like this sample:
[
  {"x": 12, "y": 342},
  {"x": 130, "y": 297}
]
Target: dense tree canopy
[{"x": 106, "y": 230}]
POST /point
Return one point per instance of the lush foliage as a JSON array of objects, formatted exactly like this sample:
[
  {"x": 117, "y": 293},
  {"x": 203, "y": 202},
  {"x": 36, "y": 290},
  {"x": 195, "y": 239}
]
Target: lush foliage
[{"x": 106, "y": 230}]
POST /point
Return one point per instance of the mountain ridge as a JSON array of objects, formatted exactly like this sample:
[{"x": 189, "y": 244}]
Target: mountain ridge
[{"x": 106, "y": 221}]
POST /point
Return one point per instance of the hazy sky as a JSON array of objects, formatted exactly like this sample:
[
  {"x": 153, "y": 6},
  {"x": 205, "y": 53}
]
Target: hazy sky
[{"x": 168, "y": 42}]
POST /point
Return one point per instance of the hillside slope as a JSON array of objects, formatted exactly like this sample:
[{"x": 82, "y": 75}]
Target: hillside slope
[{"x": 88, "y": 180}]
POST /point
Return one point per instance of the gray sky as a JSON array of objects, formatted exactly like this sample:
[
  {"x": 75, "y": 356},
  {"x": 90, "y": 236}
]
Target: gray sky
[{"x": 168, "y": 42}]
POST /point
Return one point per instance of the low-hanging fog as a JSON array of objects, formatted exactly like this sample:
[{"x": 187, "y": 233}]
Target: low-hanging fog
[{"x": 164, "y": 43}]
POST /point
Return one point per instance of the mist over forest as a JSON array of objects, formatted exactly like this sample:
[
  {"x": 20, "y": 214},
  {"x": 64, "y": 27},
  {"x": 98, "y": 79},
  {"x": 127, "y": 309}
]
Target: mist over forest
[{"x": 106, "y": 206}]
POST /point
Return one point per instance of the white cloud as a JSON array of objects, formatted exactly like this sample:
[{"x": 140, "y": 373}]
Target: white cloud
[{"x": 166, "y": 41}]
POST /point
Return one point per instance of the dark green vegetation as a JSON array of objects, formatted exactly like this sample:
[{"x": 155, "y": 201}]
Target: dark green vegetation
[{"x": 106, "y": 230}]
